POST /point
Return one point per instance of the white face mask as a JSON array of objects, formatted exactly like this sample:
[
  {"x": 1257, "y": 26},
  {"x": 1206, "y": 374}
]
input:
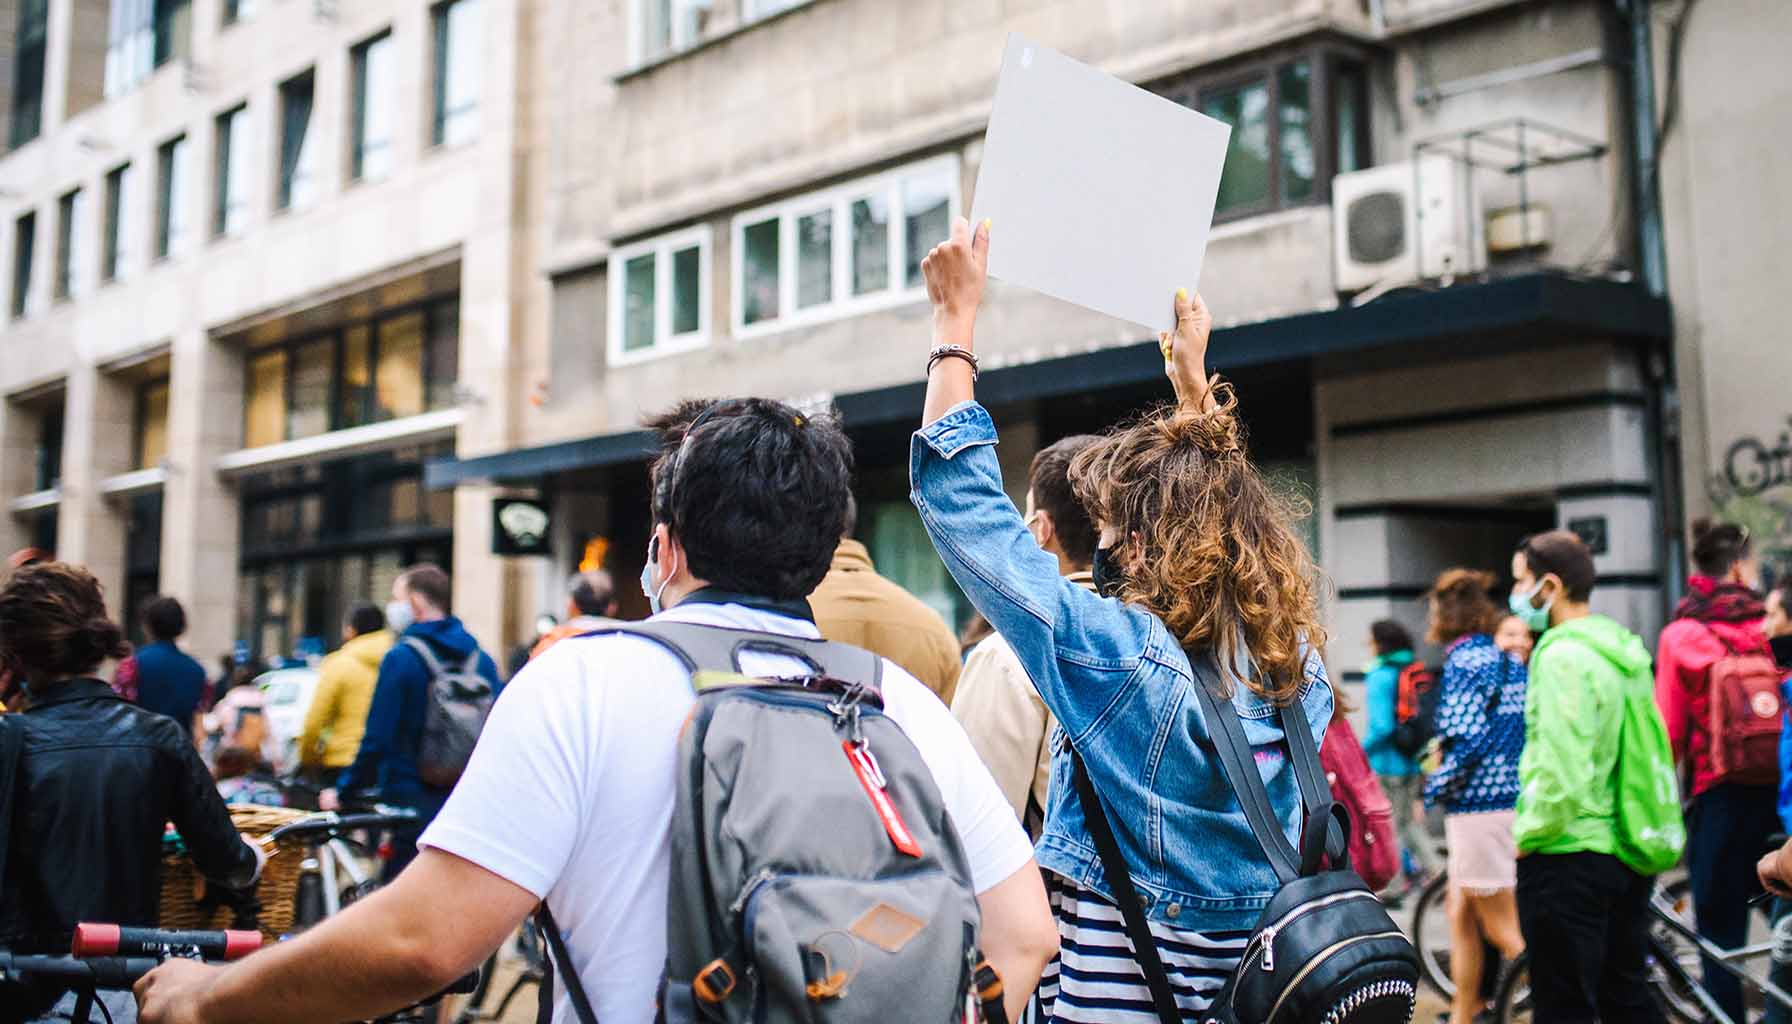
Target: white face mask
[
  {"x": 648, "y": 586},
  {"x": 399, "y": 616}
]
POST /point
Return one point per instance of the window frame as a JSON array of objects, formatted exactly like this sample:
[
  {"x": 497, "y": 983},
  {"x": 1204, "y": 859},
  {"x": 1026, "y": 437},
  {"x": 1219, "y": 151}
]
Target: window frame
[
  {"x": 839, "y": 199},
  {"x": 67, "y": 282},
  {"x": 1324, "y": 58},
  {"x": 224, "y": 142},
  {"x": 171, "y": 158},
  {"x": 24, "y": 244},
  {"x": 358, "y": 106},
  {"x": 336, "y": 336},
  {"x": 30, "y": 73},
  {"x": 286, "y": 177},
  {"x": 664, "y": 342},
  {"x": 439, "y": 48},
  {"x": 115, "y": 221}
]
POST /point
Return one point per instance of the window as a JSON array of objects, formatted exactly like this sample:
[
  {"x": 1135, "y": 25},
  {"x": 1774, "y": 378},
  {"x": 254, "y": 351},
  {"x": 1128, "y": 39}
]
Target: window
[
  {"x": 27, "y": 113},
  {"x": 238, "y": 10},
  {"x": 848, "y": 249},
  {"x": 49, "y": 449},
  {"x": 264, "y": 413},
  {"x": 298, "y": 145},
  {"x": 398, "y": 364},
  {"x": 459, "y": 60},
  {"x": 171, "y": 197},
  {"x": 753, "y": 10},
  {"x": 661, "y": 27},
  {"x": 230, "y": 207},
  {"x": 143, "y": 35},
  {"x": 71, "y": 254},
  {"x": 659, "y": 296},
  {"x": 152, "y": 424},
  {"x": 24, "y": 242},
  {"x": 115, "y": 246},
  {"x": 1296, "y": 122},
  {"x": 371, "y": 155}
]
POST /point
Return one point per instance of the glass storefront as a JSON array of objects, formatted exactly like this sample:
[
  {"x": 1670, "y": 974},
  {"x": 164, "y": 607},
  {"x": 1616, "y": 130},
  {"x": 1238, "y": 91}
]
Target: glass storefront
[
  {"x": 142, "y": 559},
  {"x": 317, "y": 539},
  {"x": 398, "y": 364}
]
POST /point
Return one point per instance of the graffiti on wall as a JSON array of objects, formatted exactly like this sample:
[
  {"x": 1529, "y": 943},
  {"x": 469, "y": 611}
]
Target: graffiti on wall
[{"x": 1753, "y": 486}]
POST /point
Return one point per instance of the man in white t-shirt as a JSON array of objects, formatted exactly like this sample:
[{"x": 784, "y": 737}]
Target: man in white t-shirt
[{"x": 569, "y": 795}]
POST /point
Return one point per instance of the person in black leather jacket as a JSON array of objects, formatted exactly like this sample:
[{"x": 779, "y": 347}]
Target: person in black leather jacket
[{"x": 97, "y": 779}]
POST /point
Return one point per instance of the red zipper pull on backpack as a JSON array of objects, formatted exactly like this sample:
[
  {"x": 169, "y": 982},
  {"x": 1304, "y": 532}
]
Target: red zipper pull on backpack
[{"x": 871, "y": 777}]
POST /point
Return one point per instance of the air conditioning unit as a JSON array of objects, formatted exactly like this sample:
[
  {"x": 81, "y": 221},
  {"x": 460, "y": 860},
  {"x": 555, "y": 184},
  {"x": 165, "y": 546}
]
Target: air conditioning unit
[{"x": 1406, "y": 222}]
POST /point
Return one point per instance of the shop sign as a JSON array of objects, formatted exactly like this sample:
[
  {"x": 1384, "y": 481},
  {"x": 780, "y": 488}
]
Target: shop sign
[{"x": 520, "y": 526}]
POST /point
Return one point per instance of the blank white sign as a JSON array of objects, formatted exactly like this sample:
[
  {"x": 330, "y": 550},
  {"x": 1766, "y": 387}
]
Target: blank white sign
[{"x": 1100, "y": 193}]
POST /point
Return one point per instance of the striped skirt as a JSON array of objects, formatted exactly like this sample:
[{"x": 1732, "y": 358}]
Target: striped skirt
[{"x": 1094, "y": 978}]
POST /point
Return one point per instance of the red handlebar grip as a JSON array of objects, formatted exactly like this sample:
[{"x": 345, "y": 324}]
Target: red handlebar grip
[
  {"x": 97, "y": 940},
  {"x": 239, "y": 944}
]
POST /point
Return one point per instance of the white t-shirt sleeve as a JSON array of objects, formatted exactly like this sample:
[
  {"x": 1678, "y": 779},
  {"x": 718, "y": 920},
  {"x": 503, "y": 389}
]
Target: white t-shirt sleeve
[
  {"x": 516, "y": 809},
  {"x": 994, "y": 842}
]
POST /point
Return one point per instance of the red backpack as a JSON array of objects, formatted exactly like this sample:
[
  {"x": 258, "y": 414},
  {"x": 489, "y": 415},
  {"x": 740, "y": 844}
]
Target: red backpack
[
  {"x": 1374, "y": 854},
  {"x": 1744, "y": 716},
  {"x": 1415, "y": 708}
]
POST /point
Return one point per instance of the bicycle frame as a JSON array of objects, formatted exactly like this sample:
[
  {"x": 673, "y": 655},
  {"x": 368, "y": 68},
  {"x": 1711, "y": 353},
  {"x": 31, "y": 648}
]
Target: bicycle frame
[
  {"x": 333, "y": 857},
  {"x": 1728, "y": 959}
]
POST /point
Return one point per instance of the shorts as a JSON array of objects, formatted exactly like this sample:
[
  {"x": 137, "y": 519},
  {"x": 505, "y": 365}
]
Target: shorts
[{"x": 1483, "y": 856}]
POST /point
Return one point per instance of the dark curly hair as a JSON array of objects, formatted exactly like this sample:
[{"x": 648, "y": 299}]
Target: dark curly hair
[
  {"x": 755, "y": 491},
  {"x": 53, "y": 622}
]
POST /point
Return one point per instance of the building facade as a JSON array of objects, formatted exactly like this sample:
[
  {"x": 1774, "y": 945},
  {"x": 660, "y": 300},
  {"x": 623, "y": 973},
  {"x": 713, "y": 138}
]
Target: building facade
[
  {"x": 265, "y": 258},
  {"x": 368, "y": 334}
]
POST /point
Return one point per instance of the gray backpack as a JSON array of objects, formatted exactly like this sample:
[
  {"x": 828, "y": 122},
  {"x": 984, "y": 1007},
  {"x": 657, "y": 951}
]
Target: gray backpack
[
  {"x": 458, "y": 702},
  {"x": 816, "y": 875}
]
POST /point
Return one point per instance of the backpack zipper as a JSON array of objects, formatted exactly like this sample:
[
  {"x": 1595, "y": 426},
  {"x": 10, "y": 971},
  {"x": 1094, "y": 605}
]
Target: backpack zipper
[
  {"x": 1324, "y": 955},
  {"x": 1266, "y": 939}
]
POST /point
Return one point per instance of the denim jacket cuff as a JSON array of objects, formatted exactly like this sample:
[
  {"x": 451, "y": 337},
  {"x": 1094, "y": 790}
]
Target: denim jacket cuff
[{"x": 964, "y": 425}]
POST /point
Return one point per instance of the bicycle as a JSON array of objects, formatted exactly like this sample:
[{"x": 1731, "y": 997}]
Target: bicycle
[
  {"x": 338, "y": 853},
  {"x": 534, "y": 971},
  {"x": 1675, "y": 948},
  {"x": 113, "y": 959}
]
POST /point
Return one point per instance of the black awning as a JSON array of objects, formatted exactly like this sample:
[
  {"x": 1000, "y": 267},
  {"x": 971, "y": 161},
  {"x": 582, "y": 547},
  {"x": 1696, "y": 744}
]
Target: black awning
[{"x": 1514, "y": 311}]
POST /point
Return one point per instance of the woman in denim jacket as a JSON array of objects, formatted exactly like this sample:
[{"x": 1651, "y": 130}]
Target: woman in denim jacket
[
  {"x": 1196, "y": 553},
  {"x": 1480, "y": 735}
]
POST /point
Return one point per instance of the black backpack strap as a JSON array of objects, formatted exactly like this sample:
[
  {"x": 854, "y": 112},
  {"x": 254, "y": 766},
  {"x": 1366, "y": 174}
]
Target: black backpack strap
[
  {"x": 575, "y": 989},
  {"x": 718, "y": 649},
  {"x": 1138, "y": 931}
]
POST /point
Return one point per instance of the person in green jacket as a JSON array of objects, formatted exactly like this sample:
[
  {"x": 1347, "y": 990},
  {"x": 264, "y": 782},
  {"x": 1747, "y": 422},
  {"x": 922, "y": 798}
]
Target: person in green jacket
[{"x": 1583, "y": 911}]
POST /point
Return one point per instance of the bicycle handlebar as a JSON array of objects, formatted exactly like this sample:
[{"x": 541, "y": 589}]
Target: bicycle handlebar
[
  {"x": 99, "y": 940},
  {"x": 332, "y": 823},
  {"x": 107, "y": 972}
]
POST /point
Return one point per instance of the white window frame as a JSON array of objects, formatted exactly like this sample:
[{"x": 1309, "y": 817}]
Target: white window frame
[
  {"x": 839, "y": 199},
  {"x": 665, "y": 343}
]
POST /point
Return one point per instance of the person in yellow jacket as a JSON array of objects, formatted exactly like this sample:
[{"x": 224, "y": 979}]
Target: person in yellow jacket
[{"x": 338, "y": 712}]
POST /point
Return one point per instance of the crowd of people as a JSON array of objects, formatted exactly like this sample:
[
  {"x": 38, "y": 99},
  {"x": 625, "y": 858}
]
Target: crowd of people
[{"x": 1151, "y": 571}]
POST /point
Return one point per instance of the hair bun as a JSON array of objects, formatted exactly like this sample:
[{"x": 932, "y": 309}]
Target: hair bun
[{"x": 1702, "y": 528}]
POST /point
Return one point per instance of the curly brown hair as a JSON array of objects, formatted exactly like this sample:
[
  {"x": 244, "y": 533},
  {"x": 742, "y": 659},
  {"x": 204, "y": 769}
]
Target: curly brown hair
[
  {"x": 1211, "y": 546},
  {"x": 1460, "y": 605},
  {"x": 53, "y": 622}
]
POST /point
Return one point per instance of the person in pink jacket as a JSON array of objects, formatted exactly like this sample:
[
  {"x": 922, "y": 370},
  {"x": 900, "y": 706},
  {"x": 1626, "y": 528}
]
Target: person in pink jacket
[{"x": 1729, "y": 822}]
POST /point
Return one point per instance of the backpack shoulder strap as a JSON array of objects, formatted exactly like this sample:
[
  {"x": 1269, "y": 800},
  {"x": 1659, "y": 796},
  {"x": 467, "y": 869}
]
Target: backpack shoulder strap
[
  {"x": 430, "y": 662},
  {"x": 718, "y": 649},
  {"x": 562, "y": 965},
  {"x": 1319, "y": 831}
]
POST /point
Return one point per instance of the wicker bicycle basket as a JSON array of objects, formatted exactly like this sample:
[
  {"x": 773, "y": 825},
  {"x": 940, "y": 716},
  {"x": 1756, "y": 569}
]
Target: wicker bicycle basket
[{"x": 184, "y": 891}]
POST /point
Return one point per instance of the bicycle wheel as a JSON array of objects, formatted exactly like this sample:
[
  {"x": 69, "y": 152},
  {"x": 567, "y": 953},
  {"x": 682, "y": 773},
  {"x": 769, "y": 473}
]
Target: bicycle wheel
[
  {"x": 1674, "y": 981},
  {"x": 1513, "y": 1004},
  {"x": 1431, "y": 935}
]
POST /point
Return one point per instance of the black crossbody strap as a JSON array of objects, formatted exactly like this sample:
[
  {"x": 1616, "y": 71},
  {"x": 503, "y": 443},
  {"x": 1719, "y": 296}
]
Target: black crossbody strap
[
  {"x": 1318, "y": 821},
  {"x": 1144, "y": 947},
  {"x": 575, "y": 989},
  {"x": 1240, "y": 766}
]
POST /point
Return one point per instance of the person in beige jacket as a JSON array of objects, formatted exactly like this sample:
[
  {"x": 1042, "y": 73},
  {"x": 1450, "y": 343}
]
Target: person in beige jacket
[
  {"x": 854, "y": 605},
  {"x": 996, "y": 703}
]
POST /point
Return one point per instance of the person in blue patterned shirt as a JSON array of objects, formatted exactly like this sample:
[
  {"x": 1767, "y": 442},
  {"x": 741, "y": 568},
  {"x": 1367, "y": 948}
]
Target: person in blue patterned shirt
[{"x": 1480, "y": 736}]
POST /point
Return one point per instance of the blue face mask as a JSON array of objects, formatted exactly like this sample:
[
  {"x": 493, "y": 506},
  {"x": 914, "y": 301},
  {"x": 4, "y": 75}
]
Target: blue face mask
[{"x": 1535, "y": 619}]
